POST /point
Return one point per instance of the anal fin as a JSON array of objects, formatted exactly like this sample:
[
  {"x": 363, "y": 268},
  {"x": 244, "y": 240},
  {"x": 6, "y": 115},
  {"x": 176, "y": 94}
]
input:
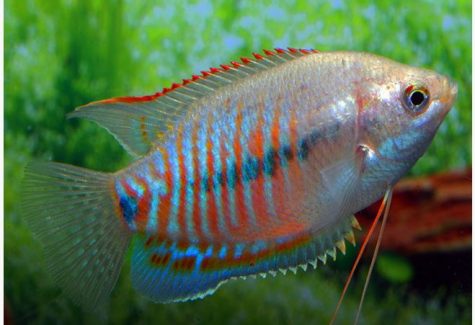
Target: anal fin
[{"x": 168, "y": 272}]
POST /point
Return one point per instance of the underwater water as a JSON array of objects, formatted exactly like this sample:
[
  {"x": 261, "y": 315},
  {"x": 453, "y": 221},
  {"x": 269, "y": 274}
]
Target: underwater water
[{"x": 59, "y": 55}]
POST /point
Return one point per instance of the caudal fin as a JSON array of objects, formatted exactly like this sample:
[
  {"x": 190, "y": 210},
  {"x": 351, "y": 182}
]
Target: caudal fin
[{"x": 71, "y": 212}]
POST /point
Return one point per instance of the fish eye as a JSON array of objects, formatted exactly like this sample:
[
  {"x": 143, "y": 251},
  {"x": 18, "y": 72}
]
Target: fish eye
[{"x": 416, "y": 98}]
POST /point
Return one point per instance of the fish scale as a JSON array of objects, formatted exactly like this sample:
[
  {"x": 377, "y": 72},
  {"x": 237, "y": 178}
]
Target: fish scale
[
  {"x": 234, "y": 201},
  {"x": 261, "y": 150},
  {"x": 249, "y": 169}
]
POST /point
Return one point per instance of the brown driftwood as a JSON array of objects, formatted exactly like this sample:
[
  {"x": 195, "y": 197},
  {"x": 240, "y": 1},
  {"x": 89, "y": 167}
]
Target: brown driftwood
[{"x": 428, "y": 214}]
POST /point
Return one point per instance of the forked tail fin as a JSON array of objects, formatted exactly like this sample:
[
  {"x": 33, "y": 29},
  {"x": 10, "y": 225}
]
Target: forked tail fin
[{"x": 71, "y": 212}]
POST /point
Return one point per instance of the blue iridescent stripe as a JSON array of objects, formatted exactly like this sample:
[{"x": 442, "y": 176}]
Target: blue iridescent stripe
[
  {"x": 158, "y": 162},
  {"x": 218, "y": 197},
  {"x": 128, "y": 205},
  {"x": 173, "y": 227},
  {"x": 187, "y": 152},
  {"x": 158, "y": 188},
  {"x": 284, "y": 145},
  {"x": 269, "y": 162},
  {"x": 248, "y": 123},
  {"x": 230, "y": 132},
  {"x": 137, "y": 188},
  {"x": 203, "y": 168}
]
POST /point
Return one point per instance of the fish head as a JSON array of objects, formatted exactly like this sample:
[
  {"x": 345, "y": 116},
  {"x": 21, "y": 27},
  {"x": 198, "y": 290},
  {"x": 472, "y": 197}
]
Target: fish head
[{"x": 400, "y": 109}]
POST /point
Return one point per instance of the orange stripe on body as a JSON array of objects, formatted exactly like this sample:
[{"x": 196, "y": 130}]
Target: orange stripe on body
[
  {"x": 295, "y": 171},
  {"x": 143, "y": 206},
  {"x": 181, "y": 215},
  {"x": 156, "y": 175},
  {"x": 256, "y": 144},
  {"x": 164, "y": 207},
  {"x": 256, "y": 141},
  {"x": 196, "y": 187},
  {"x": 212, "y": 214},
  {"x": 224, "y": 189},
  {"x": 241, "y": 210},
  {"x": 243, "y": 223},
  {"x": 213, "y": 217},
  {"x": 278, "y": 181},
  {"x": 259, "y": 197},
  {"x": 265, "y": 219}
]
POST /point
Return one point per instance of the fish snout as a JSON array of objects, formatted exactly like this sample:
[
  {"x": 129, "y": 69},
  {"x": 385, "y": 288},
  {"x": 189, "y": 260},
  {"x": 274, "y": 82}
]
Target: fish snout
[
  {"x": 449, "y": 95},
  {"x": 453, "y": 88}
]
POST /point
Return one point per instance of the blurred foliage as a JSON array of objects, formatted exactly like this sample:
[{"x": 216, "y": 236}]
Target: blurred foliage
[
  {"x": 61, "y": 54},
  {"x": 394, "y": 268}
]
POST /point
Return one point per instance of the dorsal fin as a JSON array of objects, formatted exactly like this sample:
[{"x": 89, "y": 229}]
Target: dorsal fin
[{"x": 139, "y": 123}]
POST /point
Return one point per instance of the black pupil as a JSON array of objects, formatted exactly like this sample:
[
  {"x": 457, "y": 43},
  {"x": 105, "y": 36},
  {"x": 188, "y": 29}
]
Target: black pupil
[{"x": 417, "y": 98}]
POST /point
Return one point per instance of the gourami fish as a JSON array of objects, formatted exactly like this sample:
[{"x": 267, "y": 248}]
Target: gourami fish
[{"x": 251, "y": 168}]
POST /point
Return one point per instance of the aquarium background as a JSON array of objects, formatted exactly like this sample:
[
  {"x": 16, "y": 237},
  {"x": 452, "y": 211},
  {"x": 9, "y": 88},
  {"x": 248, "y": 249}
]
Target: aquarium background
[{"x": 61, "y": 54}]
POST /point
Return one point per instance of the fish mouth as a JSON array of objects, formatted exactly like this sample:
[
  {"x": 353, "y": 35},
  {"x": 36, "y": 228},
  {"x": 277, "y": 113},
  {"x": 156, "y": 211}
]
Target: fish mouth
[
  {"x": 453, "y": 88},
  {"x": 450, "y": 95}
]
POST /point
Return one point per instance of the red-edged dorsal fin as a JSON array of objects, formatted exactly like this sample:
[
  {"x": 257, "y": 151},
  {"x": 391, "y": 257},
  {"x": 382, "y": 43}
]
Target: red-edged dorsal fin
[
  {"x": 140, "y": 122},
  {"x": 257, "y": 56}
]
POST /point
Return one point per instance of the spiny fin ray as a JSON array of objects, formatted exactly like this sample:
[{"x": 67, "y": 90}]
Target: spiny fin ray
[
  {"x": 140, "y": 123},
  {"x": 168, "y": 271}
]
